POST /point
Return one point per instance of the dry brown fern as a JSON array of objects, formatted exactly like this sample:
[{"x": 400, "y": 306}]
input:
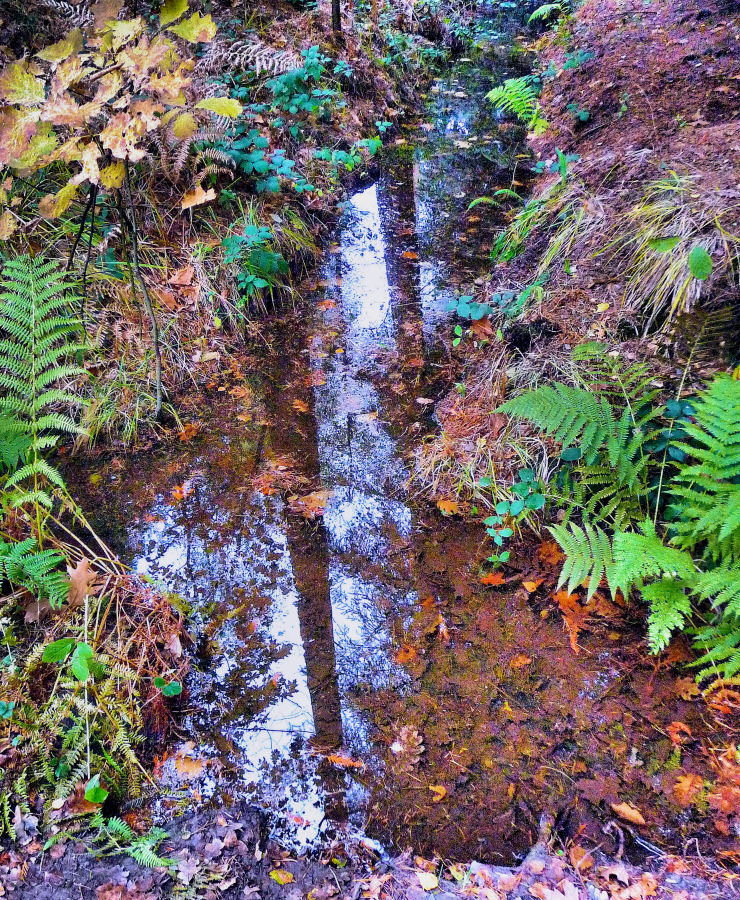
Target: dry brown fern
[{"x": 250, "y": 54}]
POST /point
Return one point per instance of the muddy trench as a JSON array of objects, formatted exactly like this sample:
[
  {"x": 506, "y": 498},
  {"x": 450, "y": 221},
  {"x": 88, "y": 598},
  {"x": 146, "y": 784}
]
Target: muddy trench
[{"x": 349, "y": 671}]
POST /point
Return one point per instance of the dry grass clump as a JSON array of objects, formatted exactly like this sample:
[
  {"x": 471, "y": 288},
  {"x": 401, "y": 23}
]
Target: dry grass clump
[
  {"x": 688, "y": 212},
  {"x": 475, "y": 442}
]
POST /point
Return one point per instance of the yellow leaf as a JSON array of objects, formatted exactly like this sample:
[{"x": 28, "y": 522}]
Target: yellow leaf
[
  {"x": 8, "y": 225},
  {"x": 19, "y": 84},
  {"x": 447, "y": 507},
  {"x": 111, "y": 176},
  {"x": 602, "y": 307},
  {"x": 222, "y": 106},
  {"x": 171, "y": 10},
  {"x": 196, "y": 29},
  {"x": 184, "y": 126},
  {"x": 282, "y": 876},
  {"x": 428, "y": 880},
  {"x": 68, "y": 45},
  {"x": 197, "y": 197},
  {"x": 53, "y": 205},
  {"x": 439, "y": 791},
  {"x": 520, "y": 660},
  {"x": 629, "y": 813}
]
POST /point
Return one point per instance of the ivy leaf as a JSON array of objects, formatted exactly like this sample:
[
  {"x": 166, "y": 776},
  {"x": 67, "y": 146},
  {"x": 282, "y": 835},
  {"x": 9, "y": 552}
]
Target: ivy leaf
[
  {"x": 196, "y": 29},
  {"x": 172, "y": 10},
  {"x": 663, "y": 244},
  {"x": 700, "y": 263},
  {"x": 58, "y": 651},
  {"x": 94, "y": 793},
  {"x": 222, "y": 106}
]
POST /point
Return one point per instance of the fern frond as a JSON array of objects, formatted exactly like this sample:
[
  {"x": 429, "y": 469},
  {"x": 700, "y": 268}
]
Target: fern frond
[
  {"x": 588, "y": 554},
  {"x": 638, "y": 557},
  {"x": 670, "y": 606}
]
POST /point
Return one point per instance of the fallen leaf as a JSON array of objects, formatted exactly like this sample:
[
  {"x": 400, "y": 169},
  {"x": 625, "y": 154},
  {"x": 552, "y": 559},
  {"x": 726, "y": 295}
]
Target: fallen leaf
[
  {"x": 439, "y": 791},
  {"x": 81, "y": 580},
  {"x": 629, "y": 813},
  {"x": 447, "y": 507},
  {"x": 687, "y": 787},
  {"x": 189, "y": 431},
  {"x": 182, "y": 277},
  {"x": 549, "y": 552},
  {"x": 520, "y": 660},
  {"x": 197, "y": 197},
  {"x": 492, "y": 579},
  {"x": 406, "y": 654},
  {"x": 300, "y": 406},
  {"x": 409, "y": 254},
  {"x": 312, "y": 505},
  {"x": 428, "y": 880},
  {"x": 282, "y": 876},
  {"x": 676, "y": 732},
  {"x": 531, "y": 586},
  {"x": 189, "y": 766},
  {"x": 580, "y": 858},
  {"x": 686, "y": 688}
]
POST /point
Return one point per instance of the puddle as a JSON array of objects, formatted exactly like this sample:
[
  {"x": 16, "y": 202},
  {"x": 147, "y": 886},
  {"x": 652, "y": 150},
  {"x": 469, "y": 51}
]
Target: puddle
[{"x": 349, "y": 671}]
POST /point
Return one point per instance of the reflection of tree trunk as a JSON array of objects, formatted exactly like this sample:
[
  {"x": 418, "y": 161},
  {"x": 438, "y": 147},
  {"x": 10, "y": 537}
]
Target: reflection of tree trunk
[
  {"x": 397, "y": 205},
  {"x": 309, "y": 554}
]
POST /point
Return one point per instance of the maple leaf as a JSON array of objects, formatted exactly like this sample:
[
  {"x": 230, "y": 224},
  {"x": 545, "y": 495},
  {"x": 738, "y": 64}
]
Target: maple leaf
[
  {"x": 197, "y": 197},
  {"x": 111, "y": 177},
  {"x": 492, "y": 579},
  {"x": 140, "y": 58},
  {"x": 574, "y": 616},
  {"x": 686, "y": 688},
  {"x": 196, "y": 29},
  {"x": 531, "y": 586},
  {"x": 447, "y": 507}
]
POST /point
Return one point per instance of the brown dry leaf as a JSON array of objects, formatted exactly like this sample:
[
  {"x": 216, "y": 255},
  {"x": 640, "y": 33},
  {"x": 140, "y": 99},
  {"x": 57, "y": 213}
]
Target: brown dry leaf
[
  {"x": 580, "y": 858},
  {"x": 409, "y": 254},
  {"x": 189, "y": 766},
  {"x": 197, "y": 197},
  {"x": 686, "y": 688},
  {"x": 617, "y": 871},
  {"x": 326, "y": 304},
  {"x": 629, "y": 813},
  {"x": 482, "y": 329},
  {"x": 182, "y": 277},
  {"x": 574, "y": 616},
  {"x": 447, "y": 507},
  {"x": 439, "y": 791},
  {"x": 492, "y": 579},
  {"x": 173, "y": 645},
  {"x": 678, "y": 732},
  {"x": 189, "y": 431},
  {"x": 687, "y": 787},
  {"x": 520, "y": 660},
  {"x": 310, "y": 505},
  {"x": 81, "y": 580},
  {"x": 300, "y": 406}
]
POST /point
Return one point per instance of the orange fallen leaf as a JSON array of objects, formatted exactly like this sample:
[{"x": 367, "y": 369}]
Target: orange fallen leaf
[
  {"x": 492, "y": 579},
  {"x": 345, "y": 762},
  {"x": 300, "y": 406},
  {"x": 580, "y": 859},
  {"x": 197, "y": 197},
  {"x": 189, "y": 766},
  {"x": 282, "y": 876},
  {"x": 549, "y": 552},
  {"x": 629, "y": 813},
  {"x": 447, "y": 507},
  {"x": 520, "y": 660},
  {"x": 182, "y": 276},
  {"x": 531, "y": 586},
  {"x": 409, "y": 254},
  {"x": 405, "y": 654},
  {"x": 326, "y": 304},
  {"x": 189, "y": 431},
  {"x": 678, "y": 732}
]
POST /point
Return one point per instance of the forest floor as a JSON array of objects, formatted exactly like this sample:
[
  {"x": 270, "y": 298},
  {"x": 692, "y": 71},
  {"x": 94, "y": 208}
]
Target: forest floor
[{"x": 661, "y": 83}]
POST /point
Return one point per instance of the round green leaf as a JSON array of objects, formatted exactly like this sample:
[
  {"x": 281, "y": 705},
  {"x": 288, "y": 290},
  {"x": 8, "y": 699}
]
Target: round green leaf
[
  {"x": 700, "y": 263},
  {"x": 94, "y": 793}
]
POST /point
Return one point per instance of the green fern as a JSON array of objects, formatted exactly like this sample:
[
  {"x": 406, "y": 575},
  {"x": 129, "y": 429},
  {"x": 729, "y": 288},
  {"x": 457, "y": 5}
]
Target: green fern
[
  {"x": 37, "y": 571},
  {"x": 545, "y": 11},
  {"x": 38, "y": 339},
  {"x": 588, "y": 554},
  {"x": 517, "y": 96}
]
